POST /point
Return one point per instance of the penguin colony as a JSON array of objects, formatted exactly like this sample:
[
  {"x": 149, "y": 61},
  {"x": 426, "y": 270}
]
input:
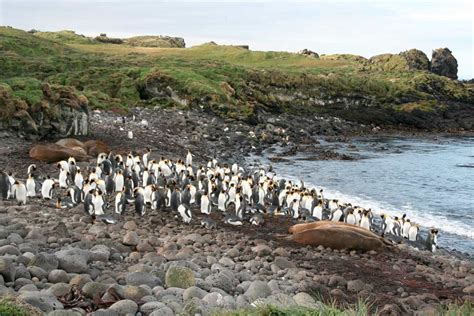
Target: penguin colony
[{"x": 144, "y": 185}]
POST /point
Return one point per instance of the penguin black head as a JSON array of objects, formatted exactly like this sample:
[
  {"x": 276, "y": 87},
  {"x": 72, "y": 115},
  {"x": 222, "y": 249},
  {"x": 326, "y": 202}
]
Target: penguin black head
[{"x": 17, "y": 182}]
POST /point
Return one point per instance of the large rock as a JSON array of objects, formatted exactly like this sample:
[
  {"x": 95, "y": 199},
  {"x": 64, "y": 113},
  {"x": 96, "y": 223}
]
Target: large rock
[
  {"x": 7, "y": 269},
  {"x": 258, "y": 289},
  {"x": 45, "y": 301},
  {"x": 180, "y": 277},
  {"x": 46, "y": 261},
  {"x": 416, "y": 59},
  {"x": 58, "y": 276},
  {"x": 443, "y": 63},
  {"x": 73, "y": 260},
  {"x": 124, "y": 307},
  {"x": 139, "y": 278},
  {"x": 131, "y": 239}
]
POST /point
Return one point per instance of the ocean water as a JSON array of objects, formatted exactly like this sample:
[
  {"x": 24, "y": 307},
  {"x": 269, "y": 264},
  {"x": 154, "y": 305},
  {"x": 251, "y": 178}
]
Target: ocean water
[{"x": 432, "y": 181}]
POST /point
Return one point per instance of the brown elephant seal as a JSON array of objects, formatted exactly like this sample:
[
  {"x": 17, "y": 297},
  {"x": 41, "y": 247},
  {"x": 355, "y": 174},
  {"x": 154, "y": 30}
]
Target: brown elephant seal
[
  {"x": 71, "y": 143},
  {"x": 337, "y": 236},
  {"x": 55, "y": 152},
  {"x": 95, "y": 147}
]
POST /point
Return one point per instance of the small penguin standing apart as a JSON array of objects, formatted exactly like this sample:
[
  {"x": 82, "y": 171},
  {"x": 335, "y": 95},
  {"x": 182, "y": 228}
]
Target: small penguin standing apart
[
  {"x": 432, "y": 240},
  {"x": 189, "y": 159},
  {"x": 185, "y": 213},
  {"x": 19, "y": 192},
  {"x": 30, "y": 186},
  {"x": 47, "y": 189}
]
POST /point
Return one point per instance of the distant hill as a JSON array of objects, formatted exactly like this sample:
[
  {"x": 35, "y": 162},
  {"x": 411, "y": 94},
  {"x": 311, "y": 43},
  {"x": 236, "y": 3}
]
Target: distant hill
[{"x": 390, "y": 89}]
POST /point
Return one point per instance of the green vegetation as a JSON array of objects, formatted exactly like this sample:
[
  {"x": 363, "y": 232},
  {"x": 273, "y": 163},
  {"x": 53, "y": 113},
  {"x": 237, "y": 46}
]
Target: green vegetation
[
  {"x": 11, "y": 307},
  {"x": 231, "y": 81},
  {"x": 362, "y": 308}
]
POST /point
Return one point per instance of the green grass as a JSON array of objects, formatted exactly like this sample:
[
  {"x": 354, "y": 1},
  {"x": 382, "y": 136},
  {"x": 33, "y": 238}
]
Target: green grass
[
  {"x": 112, "y": 77},
  {"x": 11, "y": 307},
  {"x": 362, "y": 308}
]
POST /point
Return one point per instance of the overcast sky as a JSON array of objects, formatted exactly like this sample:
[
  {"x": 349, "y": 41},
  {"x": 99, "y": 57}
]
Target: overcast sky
[{"x": 362, "y": 27}]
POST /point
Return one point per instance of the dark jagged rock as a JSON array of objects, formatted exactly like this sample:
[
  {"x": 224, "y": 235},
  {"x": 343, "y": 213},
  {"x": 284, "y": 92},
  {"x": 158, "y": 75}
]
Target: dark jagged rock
[{"x": 443, "y": 63}]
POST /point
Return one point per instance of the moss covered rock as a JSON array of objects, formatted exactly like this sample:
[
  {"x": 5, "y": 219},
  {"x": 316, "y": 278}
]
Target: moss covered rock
[
  {"x": 181, "y": 277},
  {"x": 443, "y": 63}
]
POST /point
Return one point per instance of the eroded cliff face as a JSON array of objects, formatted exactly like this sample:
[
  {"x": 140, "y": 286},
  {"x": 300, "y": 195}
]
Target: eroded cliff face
[
  {"x": 432, "y": 103},
  {"x": 61, "y": 112}
]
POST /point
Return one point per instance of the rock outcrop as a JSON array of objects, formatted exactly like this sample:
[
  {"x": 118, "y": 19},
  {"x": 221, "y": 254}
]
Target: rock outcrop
[
  {"x": 60, "y": 112},
  {"x": 308, "y": 53},
  {"x": 416, "y": 59},
  {"x": 156, "y": 41},
  {"x": 443, "y": 63}
]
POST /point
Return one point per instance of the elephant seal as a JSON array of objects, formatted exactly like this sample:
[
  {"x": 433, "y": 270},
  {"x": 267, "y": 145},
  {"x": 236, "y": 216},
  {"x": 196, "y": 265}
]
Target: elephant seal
[
  {"x": 96, "y": 147},
  {"x": 337, "y": 236},
  {"x": 55, "y": 152}
]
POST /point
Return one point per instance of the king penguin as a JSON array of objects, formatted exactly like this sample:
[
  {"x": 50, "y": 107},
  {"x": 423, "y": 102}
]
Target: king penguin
[
  {"x": 351, "y": 218},
  {"x": 19, "y": 192},
  {"x": 47, "y": 188},
  {"x": 30, "y": 186},
  {"x": 120, "y": 203},
  {"x": 205, "y": 204},
  {"x": 185, "y": 213}
]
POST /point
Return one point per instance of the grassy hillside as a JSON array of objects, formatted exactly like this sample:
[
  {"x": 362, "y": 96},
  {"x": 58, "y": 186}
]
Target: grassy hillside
[{"x": 228, "y": 80}]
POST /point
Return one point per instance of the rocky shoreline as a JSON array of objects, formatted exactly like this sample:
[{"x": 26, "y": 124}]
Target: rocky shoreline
[{"x": 57, "y": 260}]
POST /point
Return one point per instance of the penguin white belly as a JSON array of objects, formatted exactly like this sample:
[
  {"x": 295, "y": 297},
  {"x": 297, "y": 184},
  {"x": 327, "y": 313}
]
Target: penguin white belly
[
  {"x": 119, "y": 183},
  {"x": 295, "y": 208},
  {"x": 389, "y": 227},
  {"x": 318, "y": 212},
  {"x": 205, "y": 205},
  {"x": 412, "y": 233},
  {"x": 63, "y": 179},
  {"x": 78, "y": 180},
  {"x": 405, "y": 229},
  {"x": 336, "y": 215},
  {"x": 147, "y": 194},
  {"x": 351, "y": 219},
  {"x": 30, "y": 188},
  {"x": 192, "y": 191},
  {"x": 20, "y": 193},
  {"x": 332, "y": 206},
  {"x": 145, "y": 178},
  {"x": 221, "y": 202},
  {"x": 365, "y": 223},
  {"x": 184, "y": 213},
  {"x": 98, "y": 204},
  {"x": 46, "y": 189}
]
